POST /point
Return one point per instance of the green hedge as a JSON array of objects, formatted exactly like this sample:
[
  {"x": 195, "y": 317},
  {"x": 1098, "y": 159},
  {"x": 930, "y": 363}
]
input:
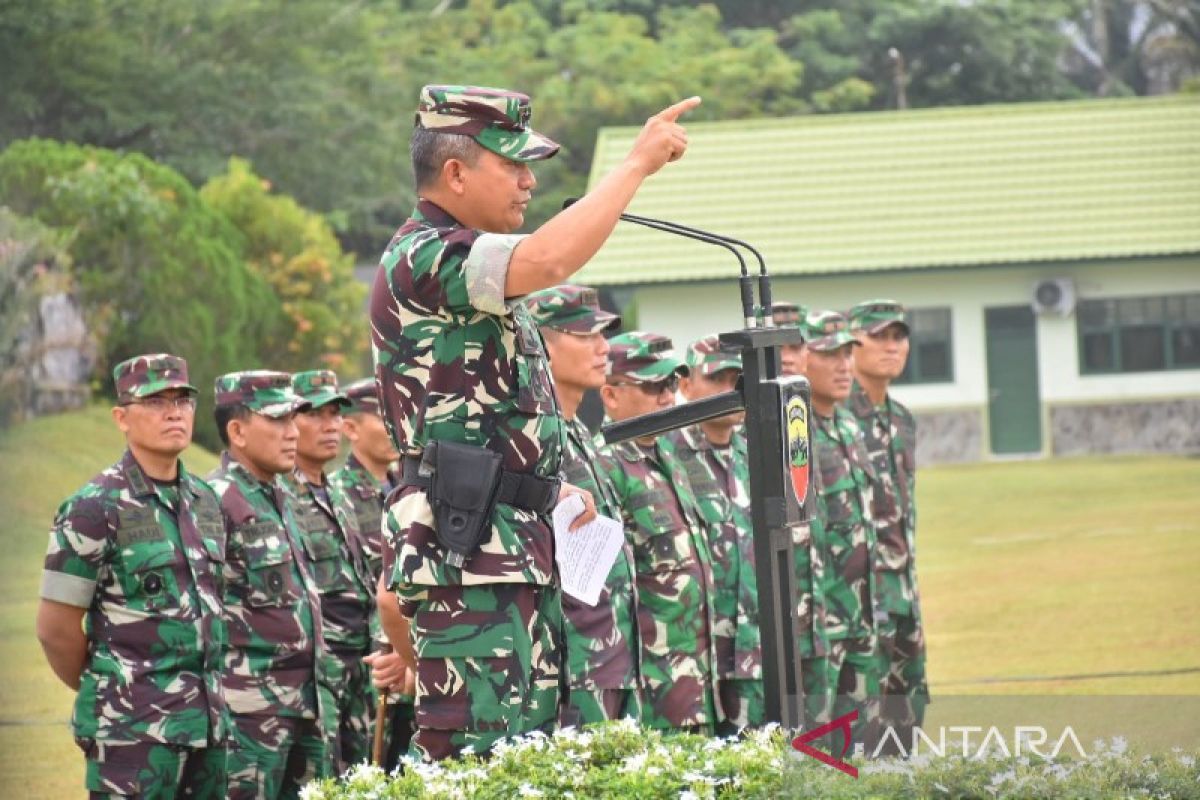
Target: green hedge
[{"x": 620, "y": 760}]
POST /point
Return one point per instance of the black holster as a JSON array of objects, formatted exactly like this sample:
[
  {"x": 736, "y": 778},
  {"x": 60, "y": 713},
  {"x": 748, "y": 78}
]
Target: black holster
[{"x": 464, "y": 483}]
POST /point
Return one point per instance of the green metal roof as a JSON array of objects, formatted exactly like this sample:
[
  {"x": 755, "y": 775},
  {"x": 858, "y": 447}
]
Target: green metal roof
[{"x": 943, "y": 187}]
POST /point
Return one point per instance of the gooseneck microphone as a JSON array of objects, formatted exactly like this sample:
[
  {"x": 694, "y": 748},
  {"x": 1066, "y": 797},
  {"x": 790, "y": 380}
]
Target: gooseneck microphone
[{"x": 745, "y": 282}]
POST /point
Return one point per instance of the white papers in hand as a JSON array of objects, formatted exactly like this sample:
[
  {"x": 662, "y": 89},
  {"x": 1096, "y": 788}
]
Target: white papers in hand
[{"x": 586, "y": 555}]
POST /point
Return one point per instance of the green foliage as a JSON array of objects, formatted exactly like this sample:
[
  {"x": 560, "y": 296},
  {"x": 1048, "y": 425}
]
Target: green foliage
[
  {"x": 158, "y": 270},
  {"x": 296, "y": 251},
  {"x": 619, "y": 760}
]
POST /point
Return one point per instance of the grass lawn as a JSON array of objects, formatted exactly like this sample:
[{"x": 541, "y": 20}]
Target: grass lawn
[{"x": 1030, "y": 569}]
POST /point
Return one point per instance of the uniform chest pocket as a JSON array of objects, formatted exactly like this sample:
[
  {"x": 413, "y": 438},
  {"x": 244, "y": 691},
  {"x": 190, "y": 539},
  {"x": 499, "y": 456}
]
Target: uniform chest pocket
[
  {"x": 328, "y": 562},
  {"x": 149, "y": 570},
  {"x": 662, "y": 539},
  {"x": 535, "y": 388},
  {"x": 270, "y": 571}
]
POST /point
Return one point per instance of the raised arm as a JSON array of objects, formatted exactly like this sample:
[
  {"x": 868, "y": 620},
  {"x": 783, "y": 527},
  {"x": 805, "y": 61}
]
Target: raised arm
[{"x": 558, "y": 249}]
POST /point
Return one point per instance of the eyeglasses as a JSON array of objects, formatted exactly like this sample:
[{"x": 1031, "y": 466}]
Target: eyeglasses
[
  {"x": 656, "y": 388},
  {"x": 159, "y": 405}
]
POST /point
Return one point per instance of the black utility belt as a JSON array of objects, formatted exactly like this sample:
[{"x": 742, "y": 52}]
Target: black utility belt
[
  {"x": 517, "y": 489},
  {"x": 464, "y": 483}
]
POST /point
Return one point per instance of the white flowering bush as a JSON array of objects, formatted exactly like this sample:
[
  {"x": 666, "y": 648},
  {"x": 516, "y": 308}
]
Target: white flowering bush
[{"x": 622, "y": 760}]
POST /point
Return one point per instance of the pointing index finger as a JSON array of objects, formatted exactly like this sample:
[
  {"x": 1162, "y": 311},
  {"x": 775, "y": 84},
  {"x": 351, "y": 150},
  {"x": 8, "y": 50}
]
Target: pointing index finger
[{"x": 672, "y": 113}]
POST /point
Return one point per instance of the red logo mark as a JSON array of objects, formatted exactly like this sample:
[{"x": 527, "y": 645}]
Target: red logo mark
[{"x": 842, "y": 723}]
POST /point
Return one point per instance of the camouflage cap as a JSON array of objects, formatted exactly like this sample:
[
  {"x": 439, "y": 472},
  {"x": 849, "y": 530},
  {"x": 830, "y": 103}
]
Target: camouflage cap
[
  {"x": 705, "y": 357},
  {"x": 319, "y": 387},
  {"x": 788, "y": 315},
  {"x": 643, "y": 357},
  {"x": 575, "y": 309},
  {"x": 873, "y": 316},
  {"x": 364, "y": 397},
  {"x": 262, "y": 391},
  {"x": 142, "y": 376},
  {"x": 495, "y": 118},
  {"x": 826, "y": 330}
]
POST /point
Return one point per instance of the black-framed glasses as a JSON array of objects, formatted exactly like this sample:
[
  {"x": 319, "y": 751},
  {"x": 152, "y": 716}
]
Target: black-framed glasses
[{"x": 159, "y": 405}]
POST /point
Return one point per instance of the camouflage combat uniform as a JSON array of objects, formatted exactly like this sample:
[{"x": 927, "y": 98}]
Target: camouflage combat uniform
[
  {"x": 143, "y": 557},
  {"x": 329, "y": 533},
  {"x": 279, "y": 682},
  {"x": 455, "y": 362},
  {"x": 720, "y": 479},
  {"x": 844, "y": 507},
  {"x": 664, "y": 524},
  {"x": 367, "y": 495},
  {"x": 890, "y": 435},
  {"x": 601, "y": 640}
]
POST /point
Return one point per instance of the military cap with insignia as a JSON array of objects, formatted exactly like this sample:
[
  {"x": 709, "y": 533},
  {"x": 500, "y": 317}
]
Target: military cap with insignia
[
  {"x": 570, "y": 308},
  {"x": 705, "y": 357},
  {"x": 642, "y": 357},
  {"x": 142, "y": 376},
  {"x": 319, "y": 387},
  {"x": 495, "y": 118},
  {"x": 874, "y": 316},
  {"x": 262, "y": 391},
  {"x": 826, "y": 330}
]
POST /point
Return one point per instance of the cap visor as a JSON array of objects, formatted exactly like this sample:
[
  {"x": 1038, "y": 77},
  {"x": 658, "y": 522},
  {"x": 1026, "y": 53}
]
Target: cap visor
[
  {"x": 148, "y": 389},
  {"x": 518, "y": 145},
  {"x": 277, "y": 410},
  {"x": 319, "y": 399},
  {"x": 880, "y": 327}
]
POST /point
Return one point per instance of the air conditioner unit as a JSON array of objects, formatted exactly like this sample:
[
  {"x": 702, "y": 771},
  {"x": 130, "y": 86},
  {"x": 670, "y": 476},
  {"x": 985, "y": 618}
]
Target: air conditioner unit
[{"x": 1054, "y": 296}]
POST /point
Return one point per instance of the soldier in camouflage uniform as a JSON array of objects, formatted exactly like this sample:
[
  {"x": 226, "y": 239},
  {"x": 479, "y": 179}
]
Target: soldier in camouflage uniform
[
  {"x": 844, "y": 508},
  {"x": 457, "y": 363},
  {"x": 279, "y": 682},
  {"x": 666, "y": 527},
  {"x": 790, "y": 315},
  {"x": 714, "y": 455},
  {"x": 367, "y": 477},
  {"x": 890, "y": 434},
  {"x": 809, "y": 549},
  {"x": 135, "y": 556},
  {"x": 602, "y": 645},
  {"x": 329, "y": 532}
]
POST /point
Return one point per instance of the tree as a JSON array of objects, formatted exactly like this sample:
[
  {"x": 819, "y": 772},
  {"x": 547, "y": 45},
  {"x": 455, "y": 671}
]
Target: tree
[
  {"x": 296, "y": 252},
  {"x": 157, "y": 269}
]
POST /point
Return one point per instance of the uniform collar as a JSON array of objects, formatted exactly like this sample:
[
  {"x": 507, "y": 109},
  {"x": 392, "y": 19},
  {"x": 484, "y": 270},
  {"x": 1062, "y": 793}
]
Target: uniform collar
[
  {"x": 431, "y": 213},
  {"x": 239, "y": 471},
  {"x": 141, "y": 485}
]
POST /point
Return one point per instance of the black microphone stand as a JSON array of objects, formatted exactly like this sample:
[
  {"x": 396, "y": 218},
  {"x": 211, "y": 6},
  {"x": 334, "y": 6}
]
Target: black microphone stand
[{"x": 778, "y": 409}]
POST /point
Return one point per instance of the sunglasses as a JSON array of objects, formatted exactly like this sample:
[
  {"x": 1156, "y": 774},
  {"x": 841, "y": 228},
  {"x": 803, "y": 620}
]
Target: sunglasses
[{"x": 656, "y": 388}]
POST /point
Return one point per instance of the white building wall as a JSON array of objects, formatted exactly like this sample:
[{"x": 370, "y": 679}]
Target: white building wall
[{"x": 687, "y": 312}]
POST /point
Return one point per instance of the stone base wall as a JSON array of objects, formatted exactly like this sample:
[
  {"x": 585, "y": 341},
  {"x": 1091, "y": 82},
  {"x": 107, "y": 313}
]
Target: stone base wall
[
  {"x": 949, "y": 436},
  {"x": 1158, "y": 426}
]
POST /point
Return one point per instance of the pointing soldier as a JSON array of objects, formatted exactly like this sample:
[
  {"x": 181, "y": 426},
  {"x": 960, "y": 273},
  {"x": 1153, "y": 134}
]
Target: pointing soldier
[
  {"x": 890, "y": 434},
  {"x": 844, "y": 508},
  {"x": 664, "y": 524},
  {"x": 366, "y": 478},
  {"x": 328, "y": 528},
  {"x": 715, "y": 457},
  {"x": 137, "y": 554},
  {"x": 468, "y": 399},
  {"x": 601, "y": 640},
  {"x": 278, "y": 682}
]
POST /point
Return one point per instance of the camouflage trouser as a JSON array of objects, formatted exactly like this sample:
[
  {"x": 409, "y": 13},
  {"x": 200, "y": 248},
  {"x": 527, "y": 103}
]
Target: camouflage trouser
[
  {"x": 152, "y": 771},
  {"x": 902, "y": 670},
  {"x": 488, "y": 661},
  {"x": 273, "y": 757},
  {"x": 818, "y": 691},
  {"x": 854, "y": 671},
  {"x": 585, "y": 706},
  {"x": 743, "y": 703},
  {"x": 356, "y": 710}
]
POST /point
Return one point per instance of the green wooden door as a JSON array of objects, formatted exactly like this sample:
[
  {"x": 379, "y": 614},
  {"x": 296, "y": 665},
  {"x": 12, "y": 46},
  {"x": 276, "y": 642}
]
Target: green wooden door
[{"x": 1014, "y": 405}]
